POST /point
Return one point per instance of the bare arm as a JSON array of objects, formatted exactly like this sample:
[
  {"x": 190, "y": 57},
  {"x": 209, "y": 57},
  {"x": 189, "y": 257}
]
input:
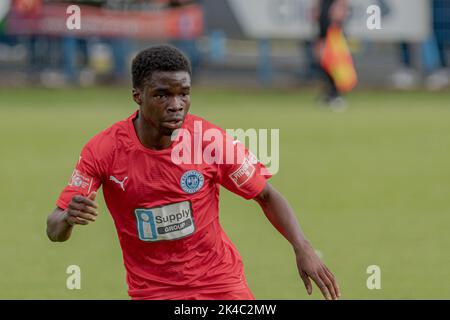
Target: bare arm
[
  {"x": 282, "y": 217},
  {"x": 81, "y": 210}
]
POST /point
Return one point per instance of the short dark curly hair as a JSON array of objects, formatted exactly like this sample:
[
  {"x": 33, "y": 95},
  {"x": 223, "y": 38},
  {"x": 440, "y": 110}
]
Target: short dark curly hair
[{"x": 157, "y": 58}]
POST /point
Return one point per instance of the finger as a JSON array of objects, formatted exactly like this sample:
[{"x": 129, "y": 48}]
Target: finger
[
  {"x": 82, "y": 215},
  {"x": 82, "y": 207},
  {"x": 328, "y": 283},
  {"x": 70, "y": 220},
  {"x": 307, "y": 282},
  {"x": 324, "y": 276},
  {"x": 81, "y": 199},
  {"x": 87, "y": 201},
  {"x": 82, "y": 222},
  {"x": 92, "y": 195},
  {"x": 87, "y": 216},
  {"x": 74, "y": 220},
  {"x": 323, "y": 288},
  {"x": 335, "y": 284}
]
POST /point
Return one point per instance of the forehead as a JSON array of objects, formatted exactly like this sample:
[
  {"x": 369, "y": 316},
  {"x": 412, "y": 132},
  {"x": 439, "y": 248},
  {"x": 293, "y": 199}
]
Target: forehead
[{"x": 169, "y": 79}]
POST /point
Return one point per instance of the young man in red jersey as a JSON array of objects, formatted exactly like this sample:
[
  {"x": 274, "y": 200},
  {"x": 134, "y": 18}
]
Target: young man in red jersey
[{"x": 167, "y": 213}]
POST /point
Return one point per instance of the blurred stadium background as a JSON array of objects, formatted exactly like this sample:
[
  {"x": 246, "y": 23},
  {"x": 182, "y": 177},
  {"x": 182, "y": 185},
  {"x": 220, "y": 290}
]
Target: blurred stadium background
[{"x": 370, "y": 186}]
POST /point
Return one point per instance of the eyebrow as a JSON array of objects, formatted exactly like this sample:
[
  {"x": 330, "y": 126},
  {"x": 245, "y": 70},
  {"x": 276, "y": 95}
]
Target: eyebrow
[
  {"x": 165, "y": 89},
  {"x": 159, "y": 90}
]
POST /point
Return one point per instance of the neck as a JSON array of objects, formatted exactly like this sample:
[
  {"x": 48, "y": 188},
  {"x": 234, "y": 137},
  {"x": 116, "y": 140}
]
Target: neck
[{"x": 149, "y": 136}]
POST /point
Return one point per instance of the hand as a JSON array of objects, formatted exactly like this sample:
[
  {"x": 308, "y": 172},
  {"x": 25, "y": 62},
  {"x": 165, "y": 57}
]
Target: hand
[
  {"x": 81, "y": 210},
  {"x": 310, "y": 266}
]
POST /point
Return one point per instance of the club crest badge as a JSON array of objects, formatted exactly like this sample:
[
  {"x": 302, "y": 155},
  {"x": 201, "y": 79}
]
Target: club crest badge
[{"x": 191, "y": 181}]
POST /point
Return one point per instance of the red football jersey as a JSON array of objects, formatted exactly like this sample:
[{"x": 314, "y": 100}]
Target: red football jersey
[{"x": 167, "y": 213}]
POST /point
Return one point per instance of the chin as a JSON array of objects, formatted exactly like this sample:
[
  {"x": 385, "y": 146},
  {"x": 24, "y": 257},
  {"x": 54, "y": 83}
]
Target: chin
[{"x": 167, "y": 131}]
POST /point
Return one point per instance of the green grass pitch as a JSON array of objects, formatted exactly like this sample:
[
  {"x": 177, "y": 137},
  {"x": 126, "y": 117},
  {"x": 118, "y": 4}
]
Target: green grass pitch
[{"x": 370, "y": 186}]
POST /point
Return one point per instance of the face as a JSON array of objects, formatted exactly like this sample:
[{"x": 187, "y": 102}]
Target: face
[{"x": 165, "y": 100}]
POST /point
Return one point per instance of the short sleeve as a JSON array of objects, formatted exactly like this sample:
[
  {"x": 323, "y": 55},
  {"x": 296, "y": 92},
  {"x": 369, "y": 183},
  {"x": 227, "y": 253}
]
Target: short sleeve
[
  {"x": 86, "y": 178},
  {"x": 244, "y": 175}
]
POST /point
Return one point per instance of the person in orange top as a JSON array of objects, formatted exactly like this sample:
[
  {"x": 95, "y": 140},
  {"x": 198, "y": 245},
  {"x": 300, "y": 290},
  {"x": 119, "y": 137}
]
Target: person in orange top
[{"x": 329, "y": 13}]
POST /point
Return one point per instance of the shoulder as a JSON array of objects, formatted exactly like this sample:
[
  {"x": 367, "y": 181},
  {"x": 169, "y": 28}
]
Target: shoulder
[{"x": 108, "y": 140}]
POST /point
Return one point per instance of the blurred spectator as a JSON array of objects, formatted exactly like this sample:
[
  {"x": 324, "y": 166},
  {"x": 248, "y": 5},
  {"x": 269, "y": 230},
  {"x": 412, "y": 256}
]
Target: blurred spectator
[
  {"x": 329, "y": 13},
  {"x": 406, "y": 77},
  {"x": 439, "y": 77},
  {"x": 434, "y": 58},
  {"x": 188, "y": 46}
]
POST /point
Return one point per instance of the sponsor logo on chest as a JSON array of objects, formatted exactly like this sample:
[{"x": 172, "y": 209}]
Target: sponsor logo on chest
[{"x": 169, "y": 222}]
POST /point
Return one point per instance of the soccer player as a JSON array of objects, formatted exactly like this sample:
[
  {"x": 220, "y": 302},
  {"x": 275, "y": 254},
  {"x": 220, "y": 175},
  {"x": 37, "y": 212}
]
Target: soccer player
[{"x": 167, "y": 213}]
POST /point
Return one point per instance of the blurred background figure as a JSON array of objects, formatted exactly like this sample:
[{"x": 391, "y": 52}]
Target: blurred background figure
[
  {"x": 331, "y": 16},
  {"x": 187, "y": 44},
  {"x": 437, "y": 69},
  {"x": 432, "y": 63},
  {"x": 406, "y": 76}
]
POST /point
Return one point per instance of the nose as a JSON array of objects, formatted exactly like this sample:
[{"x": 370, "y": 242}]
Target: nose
[{"x": 176, "y": 105}]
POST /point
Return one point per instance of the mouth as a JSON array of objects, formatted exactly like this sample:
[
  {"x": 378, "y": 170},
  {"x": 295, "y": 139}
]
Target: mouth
[{"x": 173, "y": 124}]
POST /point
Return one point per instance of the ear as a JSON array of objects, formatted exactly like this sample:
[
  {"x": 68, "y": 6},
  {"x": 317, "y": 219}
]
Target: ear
[{"x": 137, "y": 97}]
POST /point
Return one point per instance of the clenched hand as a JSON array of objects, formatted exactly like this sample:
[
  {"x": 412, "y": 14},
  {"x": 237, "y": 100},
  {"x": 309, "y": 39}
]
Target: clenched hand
[{"x": 81, "y": 210}]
